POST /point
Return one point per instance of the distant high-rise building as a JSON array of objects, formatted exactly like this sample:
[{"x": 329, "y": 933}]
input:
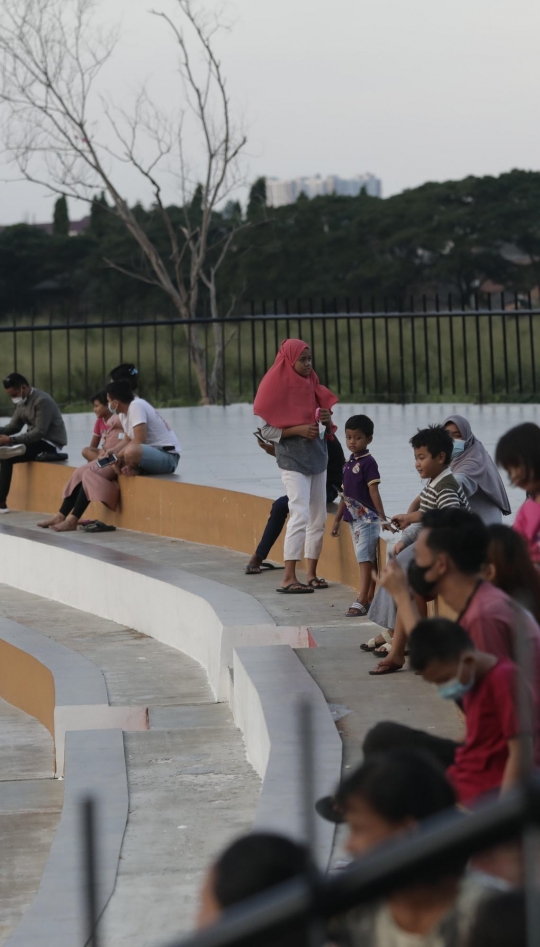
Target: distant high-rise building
[{"x": 279, "y": 193}]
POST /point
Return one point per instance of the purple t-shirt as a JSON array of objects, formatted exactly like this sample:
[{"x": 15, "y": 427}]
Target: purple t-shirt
[{"x": 359, "y": 473}]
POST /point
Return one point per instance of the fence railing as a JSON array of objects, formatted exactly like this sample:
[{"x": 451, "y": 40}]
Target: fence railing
[{"x": 437, "y": 354}]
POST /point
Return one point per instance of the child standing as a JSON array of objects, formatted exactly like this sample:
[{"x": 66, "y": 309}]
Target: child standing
[
  {"x": 518, "y": 451},
  {"x": 291, "y": 402},
  {"x": 361, "y": 506}
]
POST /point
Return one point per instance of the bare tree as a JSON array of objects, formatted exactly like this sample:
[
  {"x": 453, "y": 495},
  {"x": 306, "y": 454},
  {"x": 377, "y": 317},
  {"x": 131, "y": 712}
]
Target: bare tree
[{"x": 63, "y": 133}]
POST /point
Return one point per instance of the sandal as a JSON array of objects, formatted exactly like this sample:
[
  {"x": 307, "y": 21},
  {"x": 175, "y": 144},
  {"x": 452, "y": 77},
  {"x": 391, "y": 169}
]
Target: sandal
[
  {"x": 357, "y": 610},
  {"x": 386, "y": 667},
  {"x": 372, "y": 645},
  {"x": 256, "y": 570},
  {"x": 318, "y": 583},
  {"x": 98, "y": 527},
  {"x": 295, "y": 588}
]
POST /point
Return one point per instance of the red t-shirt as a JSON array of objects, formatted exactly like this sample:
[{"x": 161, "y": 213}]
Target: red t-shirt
[
  {"x": 100, "y": 427},
  {"x": 490, "y": 619},
  {"x": 492, "y": 719}
]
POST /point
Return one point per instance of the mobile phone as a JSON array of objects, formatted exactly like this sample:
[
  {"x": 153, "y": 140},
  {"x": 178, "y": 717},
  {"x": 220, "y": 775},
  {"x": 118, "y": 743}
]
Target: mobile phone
[
  {"x": 260, "y": 438},
  {"x": 107, "y": 461}
]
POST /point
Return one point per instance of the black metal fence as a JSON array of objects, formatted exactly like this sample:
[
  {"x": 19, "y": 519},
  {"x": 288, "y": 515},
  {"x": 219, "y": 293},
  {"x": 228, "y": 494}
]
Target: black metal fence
[{"x": 487, "y": 353}]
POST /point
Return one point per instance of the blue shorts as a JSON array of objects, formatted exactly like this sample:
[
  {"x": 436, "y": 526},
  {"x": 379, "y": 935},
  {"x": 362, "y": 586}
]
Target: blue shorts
[
  {"x": 155, "y": 460},
  {"x": 365, "y": 536}
]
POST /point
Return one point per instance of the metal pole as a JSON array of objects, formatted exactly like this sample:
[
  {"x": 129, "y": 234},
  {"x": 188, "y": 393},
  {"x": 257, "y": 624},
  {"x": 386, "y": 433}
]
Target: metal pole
[{"x": 90, "y": 871}]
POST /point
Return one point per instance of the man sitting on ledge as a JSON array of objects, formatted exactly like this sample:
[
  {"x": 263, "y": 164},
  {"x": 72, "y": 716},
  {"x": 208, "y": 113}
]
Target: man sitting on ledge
[
  {"x": 150, "y": 445},
  {"x": 45, "y": 430}
]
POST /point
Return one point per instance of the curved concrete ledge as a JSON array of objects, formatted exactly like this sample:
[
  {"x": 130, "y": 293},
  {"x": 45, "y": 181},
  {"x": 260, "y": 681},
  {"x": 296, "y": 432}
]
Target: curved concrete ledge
[
  {"x": 62, "y": 689},
  {"x": 212, "y": 515},
  {"x": 95, "y": 766},
  {"x": 268, "y": 684},
  {"x": 197, "y": 616}
]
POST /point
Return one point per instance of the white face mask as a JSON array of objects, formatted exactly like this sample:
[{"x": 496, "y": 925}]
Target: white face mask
[{"x": 19, "y": 400}]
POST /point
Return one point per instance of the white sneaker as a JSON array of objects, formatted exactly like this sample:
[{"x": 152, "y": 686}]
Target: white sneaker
[
  {"x": 12, "y": 450},
  {"x": 4, "y": 509}
]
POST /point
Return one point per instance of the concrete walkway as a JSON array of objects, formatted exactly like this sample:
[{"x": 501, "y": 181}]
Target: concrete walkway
[
  {"x": 30, "y": 806},
  {"x": 338, "y": 665},
  {"x": 191, "y": 788}
]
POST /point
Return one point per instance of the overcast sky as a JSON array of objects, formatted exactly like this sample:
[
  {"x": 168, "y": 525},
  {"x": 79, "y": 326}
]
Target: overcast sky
[{"x": 411, "y": 90}]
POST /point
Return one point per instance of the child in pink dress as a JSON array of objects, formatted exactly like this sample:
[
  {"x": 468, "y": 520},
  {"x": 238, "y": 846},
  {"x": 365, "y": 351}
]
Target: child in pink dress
[{"x": 518, "y": 451}]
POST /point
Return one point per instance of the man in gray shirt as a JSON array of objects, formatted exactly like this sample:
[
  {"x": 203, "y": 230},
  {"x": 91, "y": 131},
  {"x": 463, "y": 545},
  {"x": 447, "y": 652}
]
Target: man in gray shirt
[{"x": 45, "y": 430}]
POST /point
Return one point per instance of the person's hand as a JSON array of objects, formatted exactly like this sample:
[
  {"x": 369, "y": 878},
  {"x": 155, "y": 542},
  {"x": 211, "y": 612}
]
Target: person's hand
[
  {"x": 401, "y": 520},
  {"x": 387, "y": 527},
  {"x": 4, "y": 440},
  {"x": 325, "y": 416},
  {"x": 335, "y": 527},
  {"x": 399, "y": 547},
  {"x": 394, "y": 579},
  {"x": 269, "y": 448},
  {"x": 311, "y": 431}
]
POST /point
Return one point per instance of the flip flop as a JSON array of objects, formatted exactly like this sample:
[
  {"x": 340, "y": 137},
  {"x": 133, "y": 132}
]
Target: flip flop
[
  {"x": 318, "y": 583},
  {"x": 295, "y": 588},
  {"x": 383, "y": 669},
  {"x": 356, "y": 610},
  {"x": 256, "y": 570},
  {"x": 98, "y": 527}
]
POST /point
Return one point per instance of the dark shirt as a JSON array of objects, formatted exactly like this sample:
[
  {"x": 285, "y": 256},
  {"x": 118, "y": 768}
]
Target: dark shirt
[
  {"x": 43, "y": 419},
  {"x": 359, "y": 473}
]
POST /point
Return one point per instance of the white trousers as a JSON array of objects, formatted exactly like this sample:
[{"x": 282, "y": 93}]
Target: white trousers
[{"x": 307, "y": 514}]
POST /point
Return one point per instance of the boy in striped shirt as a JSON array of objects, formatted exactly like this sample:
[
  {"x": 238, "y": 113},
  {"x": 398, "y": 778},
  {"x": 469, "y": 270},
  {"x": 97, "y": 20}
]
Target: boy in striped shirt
[{"x": 432, "y": 453}]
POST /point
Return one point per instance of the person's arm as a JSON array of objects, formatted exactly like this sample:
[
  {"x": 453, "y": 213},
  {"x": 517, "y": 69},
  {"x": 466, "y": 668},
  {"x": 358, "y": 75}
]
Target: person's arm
[
  {"x": 13, "y": 426},
  {"x": 139, "y": 437},
  {"x": 394, "y": 580},
  {"x": 338, "y": 518},
  {"x": 402, "y": 520},
  {"x": 310, "y": 431},
  {"x": 411, "y": 534},
  {"x": 94, "y": 443},
  {"x": 512, "y": 770},
  {"x": 415, "y": 505},
  {"x": 45, "y": 411},
  {"x": 376, "y": 499}
]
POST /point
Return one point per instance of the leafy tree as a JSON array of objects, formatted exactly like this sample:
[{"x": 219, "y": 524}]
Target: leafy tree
[
  {"x": 257, "y": 199},
  {"x": 61, "y": 218}
]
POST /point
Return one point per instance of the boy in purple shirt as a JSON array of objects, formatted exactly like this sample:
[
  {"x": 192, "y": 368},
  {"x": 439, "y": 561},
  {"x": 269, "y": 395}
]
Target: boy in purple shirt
[{"x": 361, "y": 505}]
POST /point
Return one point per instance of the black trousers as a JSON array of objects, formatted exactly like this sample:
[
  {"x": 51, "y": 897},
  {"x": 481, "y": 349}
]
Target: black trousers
[
  {"x": 6, "y": 466},
  {"x": 75, "y": 503},
  {"x": 389, "y": 736}
]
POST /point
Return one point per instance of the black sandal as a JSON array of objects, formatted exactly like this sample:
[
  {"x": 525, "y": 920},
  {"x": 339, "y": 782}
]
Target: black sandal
[{"x": 98, "y": 527}]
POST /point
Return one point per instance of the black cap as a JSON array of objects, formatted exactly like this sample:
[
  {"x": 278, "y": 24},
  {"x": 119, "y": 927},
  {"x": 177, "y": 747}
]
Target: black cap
[{"x": 327, "y": 807}]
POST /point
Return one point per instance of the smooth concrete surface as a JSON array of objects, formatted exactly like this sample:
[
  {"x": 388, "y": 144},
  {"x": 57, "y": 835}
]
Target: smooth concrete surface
[
  {"x": 61, "y": 688},
  {"x": 95, "y": 766},
  {"x": 270, "y": 685},
  {"x": 191, "y": 789},
  {"x": 195, "y": 615}
]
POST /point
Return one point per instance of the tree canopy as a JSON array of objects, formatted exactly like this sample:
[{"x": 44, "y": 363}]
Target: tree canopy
[{"x": 456, "y": 236}]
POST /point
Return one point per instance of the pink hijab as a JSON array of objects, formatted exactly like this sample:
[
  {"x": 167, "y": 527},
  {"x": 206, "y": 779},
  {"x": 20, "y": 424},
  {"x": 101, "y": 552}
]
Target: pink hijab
[{"x": 284, "y": 398}]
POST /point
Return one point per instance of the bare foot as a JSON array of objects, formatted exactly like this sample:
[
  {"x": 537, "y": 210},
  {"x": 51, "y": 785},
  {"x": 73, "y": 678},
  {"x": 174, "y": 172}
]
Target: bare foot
[
  {"x": 68, "y": 526},
  {"x": 130, "y": 471},
  {"x": 53, "y": 521}
]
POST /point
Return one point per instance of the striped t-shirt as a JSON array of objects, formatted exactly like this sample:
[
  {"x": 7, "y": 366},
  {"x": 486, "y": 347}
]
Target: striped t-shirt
[{"x": 441, "y": 493}]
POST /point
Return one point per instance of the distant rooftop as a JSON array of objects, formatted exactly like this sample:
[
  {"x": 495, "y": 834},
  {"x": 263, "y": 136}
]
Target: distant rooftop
[{"x": 282, "y": 192}]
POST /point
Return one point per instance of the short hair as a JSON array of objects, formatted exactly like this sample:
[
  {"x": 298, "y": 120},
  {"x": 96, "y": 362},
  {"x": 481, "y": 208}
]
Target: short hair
[
  {"x": 389, "y": 783},
  {"x": 256, "y": 863},
  {"x": 437, "y": 639},
  {"x": 460, "y": 534},
  {"x": 520, "y": 446},
  {"x": 127, "y": 371},
  {"x": 121, "y": 390},
  {"x": 100, "y": 396},
  {"x": 435, "y": 439},
  {"x": 360, "y": 422},
  {"x": 14, "y": 380},
  {"x": 500, "y": 920}
]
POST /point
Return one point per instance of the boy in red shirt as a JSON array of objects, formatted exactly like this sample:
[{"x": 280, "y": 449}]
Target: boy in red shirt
[{"x": 487, "y": 688}]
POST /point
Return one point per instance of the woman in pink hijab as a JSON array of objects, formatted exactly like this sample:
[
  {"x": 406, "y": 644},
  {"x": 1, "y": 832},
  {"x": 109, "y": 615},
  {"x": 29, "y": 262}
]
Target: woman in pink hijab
[{"x": 291, "y": 402}]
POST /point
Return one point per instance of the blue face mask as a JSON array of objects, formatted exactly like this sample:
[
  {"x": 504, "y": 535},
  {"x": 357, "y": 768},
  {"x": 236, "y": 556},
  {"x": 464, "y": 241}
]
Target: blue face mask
[
  {"x": 111, "y": 409},
  {"x": 454, "y": 689},
  {"x": 458, "y": 448}
]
